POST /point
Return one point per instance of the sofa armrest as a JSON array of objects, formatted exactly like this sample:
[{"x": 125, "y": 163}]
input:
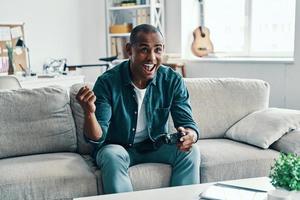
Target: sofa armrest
[{"x": 289, "y": 143}]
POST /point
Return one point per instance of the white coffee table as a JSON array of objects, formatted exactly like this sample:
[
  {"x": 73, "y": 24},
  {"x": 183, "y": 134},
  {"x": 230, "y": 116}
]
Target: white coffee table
[{"x": 189, "y": 192}]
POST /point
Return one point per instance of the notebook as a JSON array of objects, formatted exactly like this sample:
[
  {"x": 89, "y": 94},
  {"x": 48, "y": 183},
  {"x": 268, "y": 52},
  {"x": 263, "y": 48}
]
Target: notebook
[{"x": 225, "y": 192}]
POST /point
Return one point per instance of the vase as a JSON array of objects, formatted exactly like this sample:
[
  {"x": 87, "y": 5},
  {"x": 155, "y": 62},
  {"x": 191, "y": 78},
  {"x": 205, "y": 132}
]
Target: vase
[
  {"x": 11, "y": 68},
  {"x": 295, "y": 195},
  {"x": 282, "y": 194}
]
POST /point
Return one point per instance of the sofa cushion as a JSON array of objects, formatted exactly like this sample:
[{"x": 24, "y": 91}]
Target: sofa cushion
[
  {"x": 84, "y": 147},
  {"x": 262, "y": 128},
  {"x": 157, "y": 175},
  {"x": 289, "y": 143},
  {"x": 35, "y": 121},
  {"x": 219, "y": 103},
  {"x": 224, "y": 159},
  {"x": 46, "y": 176}
]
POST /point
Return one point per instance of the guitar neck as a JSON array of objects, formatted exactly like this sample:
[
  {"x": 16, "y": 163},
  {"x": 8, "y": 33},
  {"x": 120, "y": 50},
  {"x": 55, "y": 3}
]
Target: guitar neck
[{"x": 201, "y": 13}]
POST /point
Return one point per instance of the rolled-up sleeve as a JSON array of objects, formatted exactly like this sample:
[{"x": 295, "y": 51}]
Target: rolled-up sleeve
[
  {"x": 181, "y": 109},
  {"x": 103, "y": 107}
]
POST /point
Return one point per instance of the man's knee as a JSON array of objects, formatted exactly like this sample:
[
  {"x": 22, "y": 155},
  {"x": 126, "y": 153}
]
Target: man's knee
[
  {"x": 113, "y": 154},
  {"x": 195, "y": 152},
  {"x": 193, "y": 156}
]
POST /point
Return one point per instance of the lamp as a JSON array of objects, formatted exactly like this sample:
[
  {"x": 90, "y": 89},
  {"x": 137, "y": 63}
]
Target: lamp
[{"x": 21, "y": 44}]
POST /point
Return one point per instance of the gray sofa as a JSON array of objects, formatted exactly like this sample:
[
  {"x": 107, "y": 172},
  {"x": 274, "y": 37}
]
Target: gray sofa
[{"x": 43, "y": 154}]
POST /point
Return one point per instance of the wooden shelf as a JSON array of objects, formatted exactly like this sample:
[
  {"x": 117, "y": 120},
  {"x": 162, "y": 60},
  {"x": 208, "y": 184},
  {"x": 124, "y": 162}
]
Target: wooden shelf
[
  {"x": 129, "y": 7},
  {"x": 150, "y": 13},
  {"x": 119, "y": 35}
]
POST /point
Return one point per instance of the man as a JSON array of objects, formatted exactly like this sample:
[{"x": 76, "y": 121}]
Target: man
[{"x": 127, "y": 113}]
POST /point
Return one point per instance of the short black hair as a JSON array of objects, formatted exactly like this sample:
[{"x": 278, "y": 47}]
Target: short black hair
[{"x": 146, "y": 28}]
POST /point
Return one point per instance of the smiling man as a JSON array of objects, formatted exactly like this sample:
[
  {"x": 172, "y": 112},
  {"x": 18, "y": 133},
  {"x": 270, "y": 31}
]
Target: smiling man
[{"x": 126, "y": 116}]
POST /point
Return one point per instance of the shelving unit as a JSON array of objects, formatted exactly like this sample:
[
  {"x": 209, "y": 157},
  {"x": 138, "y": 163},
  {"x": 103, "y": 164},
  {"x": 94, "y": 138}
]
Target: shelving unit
[{"x": 121, "y": 18}]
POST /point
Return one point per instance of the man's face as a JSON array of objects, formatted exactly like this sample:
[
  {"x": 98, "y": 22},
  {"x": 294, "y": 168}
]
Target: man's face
[{"x": 145, "y": 55}]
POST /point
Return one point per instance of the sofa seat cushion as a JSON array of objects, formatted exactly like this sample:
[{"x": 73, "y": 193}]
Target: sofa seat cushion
[
  {"x": 150, "y": 176},
  {"x": 224, "y": 159},
  {"x": 143, "y": 176},
  {"x": 46, "y": 176}
]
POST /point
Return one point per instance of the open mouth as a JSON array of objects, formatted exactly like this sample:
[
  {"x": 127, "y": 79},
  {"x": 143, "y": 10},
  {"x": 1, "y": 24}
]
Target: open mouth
[{"x": 149, "y": 67}]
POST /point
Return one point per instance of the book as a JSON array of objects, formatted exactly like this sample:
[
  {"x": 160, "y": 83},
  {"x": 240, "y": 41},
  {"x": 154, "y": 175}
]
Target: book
[
  {"x": 223, "y": 192},
  {"x": 121, "y": 47},
  {"x": 113, "y": 47}
]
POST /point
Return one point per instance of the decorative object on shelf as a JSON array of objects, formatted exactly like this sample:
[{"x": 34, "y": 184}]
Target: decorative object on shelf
[
  {"x": 175, "y": 62},
  {"x": 120, "y": 28},
  {"x": 21, "y": 44},
  {"x": 285, "y": 177},
  {"x": 54, "y": 66},
  {"x": 128, "y": 3}
]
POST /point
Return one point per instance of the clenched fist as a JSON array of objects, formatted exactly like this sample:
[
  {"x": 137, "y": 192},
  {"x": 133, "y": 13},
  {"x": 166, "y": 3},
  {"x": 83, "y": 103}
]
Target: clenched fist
[{"x": 86, "y": 99}]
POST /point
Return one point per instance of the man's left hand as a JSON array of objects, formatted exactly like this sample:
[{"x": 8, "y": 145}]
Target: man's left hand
[{"x": 189, "y": 137}]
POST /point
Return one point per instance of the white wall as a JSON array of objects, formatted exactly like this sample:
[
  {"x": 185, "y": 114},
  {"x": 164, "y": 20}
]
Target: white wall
[
  {"x": 93, "y": 34},
  {"x": 283, "y": 78},
  {"x": 72, "y": 29}
]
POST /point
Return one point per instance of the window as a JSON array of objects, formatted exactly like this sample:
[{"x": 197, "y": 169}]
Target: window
[{"x": 247, "y": 28}]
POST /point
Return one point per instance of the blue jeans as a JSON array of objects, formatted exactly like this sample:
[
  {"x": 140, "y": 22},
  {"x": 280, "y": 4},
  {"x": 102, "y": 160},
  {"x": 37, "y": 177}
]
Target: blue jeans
[{"x": 114, "y": 161}]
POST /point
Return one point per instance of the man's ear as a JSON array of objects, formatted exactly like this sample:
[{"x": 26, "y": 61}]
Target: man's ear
[{"x": 128, "y": 49}]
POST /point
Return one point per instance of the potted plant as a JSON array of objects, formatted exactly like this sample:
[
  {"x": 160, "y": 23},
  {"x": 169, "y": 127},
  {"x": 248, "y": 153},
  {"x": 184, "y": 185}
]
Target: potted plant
[{"x": 285, "y": 177}]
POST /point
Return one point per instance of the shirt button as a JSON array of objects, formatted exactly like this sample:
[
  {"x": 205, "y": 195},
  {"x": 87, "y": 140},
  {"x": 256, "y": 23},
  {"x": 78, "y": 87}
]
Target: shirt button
[
  {"x": 133, "y": 129},
  {"x": 130, "y": 145},
  {"x": 135, "y": 112}
]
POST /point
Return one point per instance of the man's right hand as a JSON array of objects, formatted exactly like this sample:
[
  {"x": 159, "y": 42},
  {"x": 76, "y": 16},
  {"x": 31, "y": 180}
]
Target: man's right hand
[{"x": 86, "y": 99}]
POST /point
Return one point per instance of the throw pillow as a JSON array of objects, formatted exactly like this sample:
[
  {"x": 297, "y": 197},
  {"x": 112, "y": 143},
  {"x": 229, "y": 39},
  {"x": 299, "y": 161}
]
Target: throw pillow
[
  {"x": 262, "y": 128},
  {"x": 289, "y": 143}
]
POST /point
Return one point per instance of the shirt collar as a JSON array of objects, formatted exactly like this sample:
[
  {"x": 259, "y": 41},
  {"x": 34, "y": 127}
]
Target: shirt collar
[
  {"x": 127, "y": 77},
  {"x": 126, "y": 73}
]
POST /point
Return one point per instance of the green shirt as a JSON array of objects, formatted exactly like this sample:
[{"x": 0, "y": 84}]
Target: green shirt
[{"x": 116, "y": 106}]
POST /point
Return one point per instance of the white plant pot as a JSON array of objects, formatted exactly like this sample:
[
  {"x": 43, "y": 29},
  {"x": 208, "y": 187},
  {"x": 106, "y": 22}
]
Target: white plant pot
[
  {"x": 296, "y": 195},
  {"x": 282, "y": 194}
]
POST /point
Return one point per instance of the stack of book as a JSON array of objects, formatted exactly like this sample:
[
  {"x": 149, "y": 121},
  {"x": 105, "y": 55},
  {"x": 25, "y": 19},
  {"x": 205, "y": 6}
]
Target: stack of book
[{"x": 118, "y": 47}]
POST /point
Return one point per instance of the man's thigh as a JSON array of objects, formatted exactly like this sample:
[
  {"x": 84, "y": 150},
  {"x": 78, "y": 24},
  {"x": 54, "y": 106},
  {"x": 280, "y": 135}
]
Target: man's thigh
[
  {"x": 165, "y": 154},
  {"x": 112, "y": 153}
]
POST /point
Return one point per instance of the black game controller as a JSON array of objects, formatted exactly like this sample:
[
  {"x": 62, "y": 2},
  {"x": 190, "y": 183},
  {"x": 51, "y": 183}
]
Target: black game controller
[
  {"x": 149, "y": 145},
  {"x": 173, "y": 138},
  {"x": 170, "y": 139}
]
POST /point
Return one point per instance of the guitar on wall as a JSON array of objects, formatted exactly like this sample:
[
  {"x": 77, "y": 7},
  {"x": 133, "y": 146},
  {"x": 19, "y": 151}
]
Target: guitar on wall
[{"x": 202, "y": 44}]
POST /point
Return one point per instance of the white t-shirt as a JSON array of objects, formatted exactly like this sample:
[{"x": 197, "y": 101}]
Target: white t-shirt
[{"x": 141, "y": 130}]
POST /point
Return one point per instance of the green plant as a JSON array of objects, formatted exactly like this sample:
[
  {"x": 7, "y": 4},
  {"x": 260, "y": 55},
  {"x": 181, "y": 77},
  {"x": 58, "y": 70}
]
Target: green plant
[{"x": 285, "y": 173}]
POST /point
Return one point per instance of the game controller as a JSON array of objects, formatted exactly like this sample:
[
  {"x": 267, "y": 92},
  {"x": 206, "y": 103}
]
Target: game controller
[
  {"x": 173, "y": 138},
  {"x": 169, "y": 139}
]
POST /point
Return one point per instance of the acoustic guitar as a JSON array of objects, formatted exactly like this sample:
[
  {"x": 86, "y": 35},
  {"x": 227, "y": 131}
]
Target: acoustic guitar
[{"x": 202, "y": 44}]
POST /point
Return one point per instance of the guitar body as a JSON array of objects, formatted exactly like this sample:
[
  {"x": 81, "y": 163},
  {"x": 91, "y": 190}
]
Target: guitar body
[{"x": 202, "y": 44}]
